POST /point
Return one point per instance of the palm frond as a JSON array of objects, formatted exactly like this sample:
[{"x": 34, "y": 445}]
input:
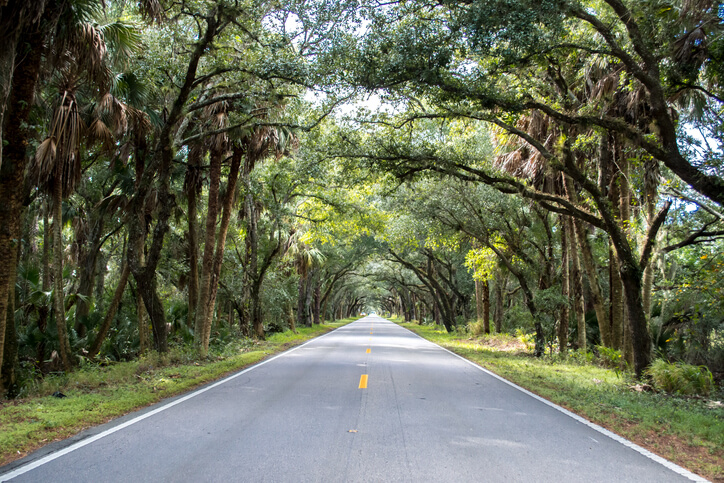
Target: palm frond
[
  {"x": 44, "y": 161},
  {"x": 66, "y": 130},
  {"x": 98, "y": 132},
  {"x": 129, "y": 87},
  {"x": 122, "y": 39}
]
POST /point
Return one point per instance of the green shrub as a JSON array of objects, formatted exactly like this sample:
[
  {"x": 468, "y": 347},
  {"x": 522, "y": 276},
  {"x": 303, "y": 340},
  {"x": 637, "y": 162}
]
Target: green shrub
[
  {"x": 681, "y": 378},
  {"x": 527, "y": 339},
  {"x": 610, "y": 358},
  {"x": 580, "y": 357},
  {"x": 476, "y": 328}
]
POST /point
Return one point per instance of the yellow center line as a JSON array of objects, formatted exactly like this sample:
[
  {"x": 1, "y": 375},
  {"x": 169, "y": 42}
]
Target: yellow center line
[
  {"x": 369, "y": 350},
  {"x": 363, "y": 381}
]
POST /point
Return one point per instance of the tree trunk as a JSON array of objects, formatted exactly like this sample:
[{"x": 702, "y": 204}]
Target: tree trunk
[
  {"x": 648, "y": 280},
  {"x": 565, "y": 288},
  {"x": 17, "y": 132},
  {"x": 478, "y": 301},
  {"x": 636, "y": 318},
  {"x": 144, "y": 335},
  {"x": 146, "y": 282},
  {"x": 256, "y": 315},
  {"x": 316, "y": 306},
  {"x": 593, "y": 283},
  {"x": 111, "y": 314},
  {"x": 203, "y": 310},
  {"x": 58, "y": 296},
  {"x": 486, "y": 306},
  {"x": 500, "y": 282},
  {"x": 9, "y": 381},
  {"x": 301, "y": 296},
  {"x": 100, "y": 282},
  {"x": 615, "y": 302},
  {"x": 43, "y": 310},
  {"x": 193, "y": 238},
  {"x": 576, "y": 284},
  {"x": 308, "y": 293},
  {"x": 291, "y": 319},
  {"x": 226, "y": 210},
  {"x": 88, "y": 263},
  {"x": 324, "y": 310}
]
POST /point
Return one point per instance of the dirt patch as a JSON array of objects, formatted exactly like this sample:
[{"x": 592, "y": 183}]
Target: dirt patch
[
  {"x": 499, "y": 343},
  {"x": 697, "y": 459}
]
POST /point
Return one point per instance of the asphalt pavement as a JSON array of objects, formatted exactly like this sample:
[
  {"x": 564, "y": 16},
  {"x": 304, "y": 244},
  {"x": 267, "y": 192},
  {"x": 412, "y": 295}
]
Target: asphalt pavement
[{"x": 370, "y": 401}]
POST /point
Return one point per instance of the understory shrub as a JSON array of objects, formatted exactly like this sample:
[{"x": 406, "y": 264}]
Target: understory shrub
[
  {"x": 681, "y": 378},
  {"x": 476, "y": 328},
  {"x": 610, "y": 358}
]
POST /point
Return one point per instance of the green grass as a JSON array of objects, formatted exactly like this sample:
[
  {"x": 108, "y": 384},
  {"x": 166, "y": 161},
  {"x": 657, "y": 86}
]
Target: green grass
[
  {"x": 686, "y": 430},
  {"x": 99, "y": 394}
]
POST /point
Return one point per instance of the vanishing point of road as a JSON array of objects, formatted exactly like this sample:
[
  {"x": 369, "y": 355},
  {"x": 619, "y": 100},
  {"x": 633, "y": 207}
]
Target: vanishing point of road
[{"x": 369, "y": 401}]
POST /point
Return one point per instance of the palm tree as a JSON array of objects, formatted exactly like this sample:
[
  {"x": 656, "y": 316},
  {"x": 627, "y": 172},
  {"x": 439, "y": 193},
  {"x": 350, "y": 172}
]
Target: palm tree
[
  {"x": 81, "y": 58},
  {"x": 38, "y": 34}
]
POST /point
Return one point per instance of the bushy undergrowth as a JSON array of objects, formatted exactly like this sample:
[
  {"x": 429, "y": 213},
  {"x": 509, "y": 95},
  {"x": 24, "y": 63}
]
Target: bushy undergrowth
[
  {"x": 681, "y": 378},
  {"x": 476, "y": 328},
  {"x": 610, "y": 358}
]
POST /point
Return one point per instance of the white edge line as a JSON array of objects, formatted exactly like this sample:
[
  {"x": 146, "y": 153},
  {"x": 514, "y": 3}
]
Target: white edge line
[
  {"x": 69, "y": 449},
  {"x": 643, "y": 451}
]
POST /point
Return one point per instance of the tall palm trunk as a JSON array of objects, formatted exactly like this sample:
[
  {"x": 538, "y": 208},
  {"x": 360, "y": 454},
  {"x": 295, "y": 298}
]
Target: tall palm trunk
[
  {"x": 648, "y": 279},
  {"x": 9, "y": 380},
  {"x": 291, "y": 320},
  {"x": 226, "y": 210},
  {"x": 301, "y": 298},
  {"x": 58, "y": 297},
  {"x": 317, "y": 302},
  {"x": 615, "y": 301},
  {"x": 616, "y": 289},
  {"x": 17, "y": 132},
  {"x": 43, "y": 310},
  {"x": 562, "y": 331},
  {"x": 629, "y": 345},
  {"x": 478, "y": 301},
  {"x": 208, "y": 259},
  {"x": 144, "y": 334},
  {"x": 193, "y": 232},
  {"x": 498, "y": 313},
  {"x": 576, "y": 283},
  {"x": 593, "y": 283},
  {"x": 486, "y": 305},
  {"x": 193, "y": 257}
]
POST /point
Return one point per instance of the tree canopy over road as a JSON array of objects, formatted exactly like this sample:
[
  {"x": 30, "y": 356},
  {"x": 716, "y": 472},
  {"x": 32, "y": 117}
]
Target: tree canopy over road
[{"x": 189, "y": 172}]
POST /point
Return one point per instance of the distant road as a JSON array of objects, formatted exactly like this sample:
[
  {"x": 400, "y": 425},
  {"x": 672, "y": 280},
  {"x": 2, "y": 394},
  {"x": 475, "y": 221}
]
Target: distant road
[{"x": 370, "y": 401}]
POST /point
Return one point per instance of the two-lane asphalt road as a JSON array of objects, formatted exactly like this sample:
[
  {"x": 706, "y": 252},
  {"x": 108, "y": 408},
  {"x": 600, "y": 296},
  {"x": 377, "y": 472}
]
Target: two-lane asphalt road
[{"x": 368, "y": 402}]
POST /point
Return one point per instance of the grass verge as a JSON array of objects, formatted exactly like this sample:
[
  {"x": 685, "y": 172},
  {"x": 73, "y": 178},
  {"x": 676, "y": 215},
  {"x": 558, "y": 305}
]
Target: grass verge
[
  {"x": 96, "y": 394},
  {"x": 686, "y": 430}
]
